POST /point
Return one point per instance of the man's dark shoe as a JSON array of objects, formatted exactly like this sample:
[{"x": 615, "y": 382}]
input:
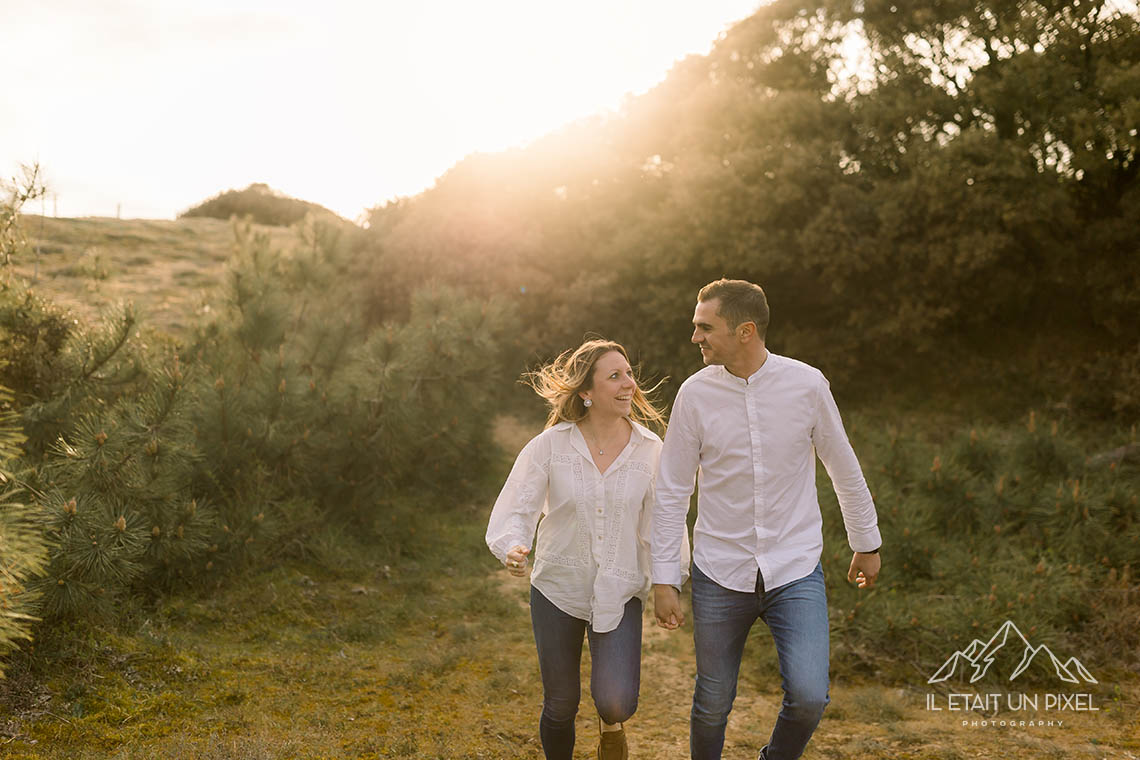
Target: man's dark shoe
[
  {"x": 763, "y": 753},
  {"x": 612, "y": 746}
]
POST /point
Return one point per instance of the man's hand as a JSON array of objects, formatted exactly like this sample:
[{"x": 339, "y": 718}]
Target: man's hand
[
  {"x": 864, "y": 569},
  {"x": 516, "y": 560},
  {"x": 667, "y": 606}
]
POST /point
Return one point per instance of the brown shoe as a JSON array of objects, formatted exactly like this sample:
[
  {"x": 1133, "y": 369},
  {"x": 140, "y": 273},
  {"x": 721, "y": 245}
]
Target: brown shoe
[{"x": 612, "y": 746}]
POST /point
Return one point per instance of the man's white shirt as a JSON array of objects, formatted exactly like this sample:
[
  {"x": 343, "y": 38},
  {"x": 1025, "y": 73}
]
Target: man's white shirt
[{"x": 751, "y": 445}]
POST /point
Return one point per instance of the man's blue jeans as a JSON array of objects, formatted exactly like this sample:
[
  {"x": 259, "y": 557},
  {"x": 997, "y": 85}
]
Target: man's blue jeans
[
  {"x": 796, "y": 614},
  {"x": 615, "y": 675}
]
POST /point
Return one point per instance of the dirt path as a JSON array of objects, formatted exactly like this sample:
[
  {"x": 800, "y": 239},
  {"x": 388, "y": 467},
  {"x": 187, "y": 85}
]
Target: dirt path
[{"x": 864, "y": 720}]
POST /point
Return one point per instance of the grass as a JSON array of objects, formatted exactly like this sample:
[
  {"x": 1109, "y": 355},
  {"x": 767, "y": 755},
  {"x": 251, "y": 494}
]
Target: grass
[
  {"x": 167, "y": 268},
  {"x": 296, "y": 660}
]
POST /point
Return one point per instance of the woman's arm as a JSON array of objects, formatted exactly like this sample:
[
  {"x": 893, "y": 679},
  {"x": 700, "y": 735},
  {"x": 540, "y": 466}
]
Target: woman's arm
[{"x": 515, "y": 514}]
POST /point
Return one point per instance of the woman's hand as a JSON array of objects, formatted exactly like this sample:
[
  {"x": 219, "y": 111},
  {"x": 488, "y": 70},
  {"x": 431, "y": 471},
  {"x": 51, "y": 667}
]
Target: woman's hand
[
  {"x": 864, "y": 569},
  {"x": 516, "y": 560}
]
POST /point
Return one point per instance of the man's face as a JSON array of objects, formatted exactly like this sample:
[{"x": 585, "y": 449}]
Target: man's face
[{"x": 718, "y": 341}]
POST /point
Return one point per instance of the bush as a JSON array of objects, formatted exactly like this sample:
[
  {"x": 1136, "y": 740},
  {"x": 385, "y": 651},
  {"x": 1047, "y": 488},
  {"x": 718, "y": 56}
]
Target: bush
[
  {"x": 22, "y": 552},
  {"x": 297, "y": 397},
  {"x": 285, "y": 416},
  {"x": 92, "y": 366},
  {"x": 33, "y": 333},
  {"x": 117, "y": 503},
  {"x": 1000, "y": 523},
  {"x": 262, "y": 205}
]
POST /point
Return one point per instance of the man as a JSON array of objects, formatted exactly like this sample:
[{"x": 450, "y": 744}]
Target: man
[{"x": 751, "y": 423}]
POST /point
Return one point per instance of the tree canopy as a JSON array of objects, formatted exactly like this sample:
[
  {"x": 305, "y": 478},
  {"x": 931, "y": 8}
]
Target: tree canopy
[{"x": 907, "y": 181}]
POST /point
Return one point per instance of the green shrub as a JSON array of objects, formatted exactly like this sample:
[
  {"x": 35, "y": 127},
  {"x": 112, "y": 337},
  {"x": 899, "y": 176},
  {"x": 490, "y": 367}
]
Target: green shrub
[
  {"x": 22, "y": 551},
  {"x": 90, "y": 366},
  {"x": 32, "y": 334},
  {"x": 117, "y": 504},
  {"x": 286, "y": 416},
  {"x": 262, "y": 204},
  {"x": 296, "y": 396},
  {"x": 996, "y": 524}
]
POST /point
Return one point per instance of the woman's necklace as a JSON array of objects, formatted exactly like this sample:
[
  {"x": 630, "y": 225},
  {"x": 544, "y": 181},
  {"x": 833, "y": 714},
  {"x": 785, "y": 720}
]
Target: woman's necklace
[{"x": 598, "y": 446}]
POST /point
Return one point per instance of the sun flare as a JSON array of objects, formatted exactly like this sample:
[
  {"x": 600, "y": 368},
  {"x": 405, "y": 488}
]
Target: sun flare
[{"x": 344, "y": 105}]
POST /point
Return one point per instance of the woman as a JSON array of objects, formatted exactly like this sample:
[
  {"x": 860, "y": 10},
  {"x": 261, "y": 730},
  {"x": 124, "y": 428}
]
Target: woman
[{"x": 590, "y": 475}]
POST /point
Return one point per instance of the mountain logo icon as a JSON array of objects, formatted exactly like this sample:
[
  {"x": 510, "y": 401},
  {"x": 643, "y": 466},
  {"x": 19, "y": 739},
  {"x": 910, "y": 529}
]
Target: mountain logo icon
[{"x": 1010, "y": 647}]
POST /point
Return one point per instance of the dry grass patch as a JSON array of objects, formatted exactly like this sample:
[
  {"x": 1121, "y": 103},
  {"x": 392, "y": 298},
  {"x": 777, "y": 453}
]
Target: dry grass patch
[{"x": 167, "y": 268}]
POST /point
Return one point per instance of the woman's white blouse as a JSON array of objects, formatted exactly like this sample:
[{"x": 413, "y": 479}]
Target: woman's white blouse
[{"x": 592, "y": 554}]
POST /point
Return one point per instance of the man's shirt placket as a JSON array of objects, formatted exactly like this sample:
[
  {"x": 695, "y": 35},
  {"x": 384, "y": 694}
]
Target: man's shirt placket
[{"x": 759, "y": 500}]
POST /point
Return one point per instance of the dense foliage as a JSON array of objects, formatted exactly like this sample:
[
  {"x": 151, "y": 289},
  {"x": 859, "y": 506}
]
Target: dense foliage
[
  {"x": 931, "y": 186},
  {"x": 932, "y": 194},
  {"x": 263, "y": 205},
  {"x": 989, "y": 524},
  {"x": 22, "y": 545},
  {"x": 154, "y": 463},
  {"x": 22, "y": 549}
]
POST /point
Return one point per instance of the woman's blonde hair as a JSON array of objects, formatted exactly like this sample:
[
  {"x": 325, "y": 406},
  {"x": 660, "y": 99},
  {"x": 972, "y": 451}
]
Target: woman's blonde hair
[{"x": 560, "y": 382}]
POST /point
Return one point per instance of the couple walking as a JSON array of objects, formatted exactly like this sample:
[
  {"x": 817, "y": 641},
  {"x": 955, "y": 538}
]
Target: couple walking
[{"x": 614, "y": 500}]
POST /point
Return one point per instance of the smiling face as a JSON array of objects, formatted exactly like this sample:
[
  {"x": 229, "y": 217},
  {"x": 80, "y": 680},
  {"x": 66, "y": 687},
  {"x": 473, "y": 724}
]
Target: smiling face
[
  {"x": 612, "y": 386},
  {"x": 718, "y": 342}
]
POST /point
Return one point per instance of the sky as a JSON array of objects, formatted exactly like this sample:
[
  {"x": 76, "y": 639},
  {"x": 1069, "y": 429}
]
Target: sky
[{"x": 145, "y": 108}]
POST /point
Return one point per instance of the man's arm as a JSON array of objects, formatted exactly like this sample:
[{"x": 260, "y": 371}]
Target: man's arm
[
  {"x": 676, "y": 474},
  {"x": 855, "y": 502}
]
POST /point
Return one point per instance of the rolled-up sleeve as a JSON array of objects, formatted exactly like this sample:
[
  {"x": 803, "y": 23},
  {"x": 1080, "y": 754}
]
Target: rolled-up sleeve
[
  {"x": 515, "y": 514},
  {"x": 676, "y": 475},
  {"x": 645, "y": 534},
  {"x": 834, "y": 450}
]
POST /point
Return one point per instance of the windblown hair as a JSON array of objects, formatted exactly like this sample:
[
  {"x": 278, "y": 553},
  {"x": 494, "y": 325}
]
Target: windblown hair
[
  {"x": 560, "y": 382},
  {"x": 740, "y": 301}
]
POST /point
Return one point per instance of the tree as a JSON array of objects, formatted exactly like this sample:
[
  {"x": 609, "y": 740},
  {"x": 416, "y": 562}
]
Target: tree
[
  {"x": 22, "y": 549},
  {"x": 18, "y": 191}
]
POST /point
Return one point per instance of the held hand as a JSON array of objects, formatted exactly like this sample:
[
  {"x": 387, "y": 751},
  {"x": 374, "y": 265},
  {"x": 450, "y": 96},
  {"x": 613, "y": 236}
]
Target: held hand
[
  {"x": 667, "y": 606},
  {"x": 516, "y": 560},
  {"x": 864, "y": 569}
]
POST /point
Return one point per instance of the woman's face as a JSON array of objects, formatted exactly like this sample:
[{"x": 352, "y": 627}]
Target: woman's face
[{"x": 613, "y": 386}]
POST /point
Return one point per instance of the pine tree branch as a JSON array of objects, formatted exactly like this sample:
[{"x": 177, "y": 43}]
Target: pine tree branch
[{"x": 124, "y": 336}]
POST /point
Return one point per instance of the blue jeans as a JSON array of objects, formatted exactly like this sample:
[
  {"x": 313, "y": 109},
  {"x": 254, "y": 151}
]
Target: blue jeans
[
  {"x": 796, "y": 614},
  {"x": 615, "y": 675}
]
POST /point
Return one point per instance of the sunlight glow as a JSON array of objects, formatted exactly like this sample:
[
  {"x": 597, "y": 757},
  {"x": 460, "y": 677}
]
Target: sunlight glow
[{"x": 156, "y": 106}]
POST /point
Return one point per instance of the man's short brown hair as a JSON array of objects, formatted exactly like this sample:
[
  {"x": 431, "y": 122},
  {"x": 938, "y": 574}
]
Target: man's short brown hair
[{"x": 740, "y": 301}]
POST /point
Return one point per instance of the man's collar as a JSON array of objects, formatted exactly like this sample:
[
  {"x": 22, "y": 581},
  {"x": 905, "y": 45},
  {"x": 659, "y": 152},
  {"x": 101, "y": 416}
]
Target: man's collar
[{"x": 764, "y": 367}]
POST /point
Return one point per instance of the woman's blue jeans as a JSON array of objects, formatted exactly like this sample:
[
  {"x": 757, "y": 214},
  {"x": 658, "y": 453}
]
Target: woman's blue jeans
[
  {"x": 615, "y": 675},
  {"x": 796, "y": 614}
]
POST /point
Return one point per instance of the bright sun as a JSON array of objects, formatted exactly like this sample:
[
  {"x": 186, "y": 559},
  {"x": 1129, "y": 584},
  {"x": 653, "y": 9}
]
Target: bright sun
[{"x": 344, "y": 104}]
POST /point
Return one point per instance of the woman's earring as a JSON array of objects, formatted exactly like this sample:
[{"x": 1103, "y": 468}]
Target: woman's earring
[{"x": 587, "y": 403}]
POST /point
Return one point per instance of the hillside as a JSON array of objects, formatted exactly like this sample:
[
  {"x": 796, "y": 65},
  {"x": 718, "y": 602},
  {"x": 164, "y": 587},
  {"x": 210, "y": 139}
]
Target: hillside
[
  {"x": 167, "y": 268},
  {"x": 262, "y": 204}
]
